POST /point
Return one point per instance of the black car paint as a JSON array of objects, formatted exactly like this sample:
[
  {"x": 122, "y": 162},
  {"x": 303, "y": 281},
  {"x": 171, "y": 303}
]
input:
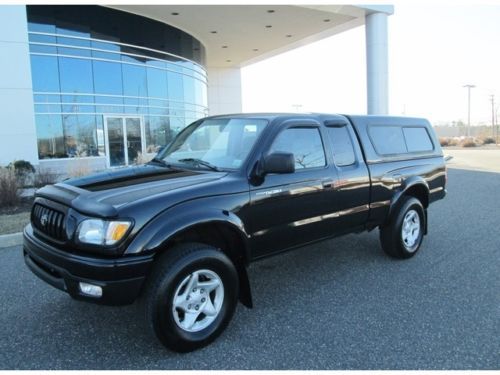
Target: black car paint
[{"x": 269, "y": 214}]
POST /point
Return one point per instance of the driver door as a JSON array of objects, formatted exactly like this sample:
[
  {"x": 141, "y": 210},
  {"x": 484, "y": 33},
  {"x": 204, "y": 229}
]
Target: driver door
[{"x": 291, "y": 209}]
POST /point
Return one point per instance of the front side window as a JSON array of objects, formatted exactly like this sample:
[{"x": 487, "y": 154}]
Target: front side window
[
  {"x": 305, "y": 145},
  {"x": 224, "y": 143}
]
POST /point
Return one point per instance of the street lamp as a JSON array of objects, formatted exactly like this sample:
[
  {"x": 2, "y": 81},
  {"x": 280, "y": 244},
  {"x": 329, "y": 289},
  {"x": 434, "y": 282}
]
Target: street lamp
[{"x": 468, "y": 107}]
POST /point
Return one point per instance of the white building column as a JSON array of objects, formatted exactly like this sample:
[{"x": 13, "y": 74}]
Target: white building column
[
  {"x": 17, "y": 122},
  {"x": 224, "y": 90},
  {"x": 377, "y": 76}
]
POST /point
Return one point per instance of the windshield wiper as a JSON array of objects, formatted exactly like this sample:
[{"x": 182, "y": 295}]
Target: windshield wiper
[
  {"x": 160, "y": 161},
  {"x": 200, "y": 162}
]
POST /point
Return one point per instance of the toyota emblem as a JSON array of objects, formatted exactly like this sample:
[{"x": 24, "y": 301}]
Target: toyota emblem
[{"x": 44, "y": 219}]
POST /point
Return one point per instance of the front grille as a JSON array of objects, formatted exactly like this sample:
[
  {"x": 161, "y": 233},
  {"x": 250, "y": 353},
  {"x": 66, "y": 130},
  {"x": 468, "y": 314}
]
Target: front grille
[{"x": 49, "y": 221}]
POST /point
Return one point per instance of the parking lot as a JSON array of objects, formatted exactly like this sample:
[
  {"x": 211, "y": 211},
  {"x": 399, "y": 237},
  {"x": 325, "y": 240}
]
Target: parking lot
[{"x": 341, "y": 304}]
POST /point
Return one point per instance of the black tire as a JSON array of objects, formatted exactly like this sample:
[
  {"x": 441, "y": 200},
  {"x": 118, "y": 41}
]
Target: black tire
[
  {"x": 168, "y": 275},
  {"x": 391, "y": 234}
]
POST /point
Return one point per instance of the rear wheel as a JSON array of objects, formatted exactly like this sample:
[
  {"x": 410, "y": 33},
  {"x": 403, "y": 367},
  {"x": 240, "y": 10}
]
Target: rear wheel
[
  {"x": 191, "y": 296},
  {"x": 403, "y": 235}
]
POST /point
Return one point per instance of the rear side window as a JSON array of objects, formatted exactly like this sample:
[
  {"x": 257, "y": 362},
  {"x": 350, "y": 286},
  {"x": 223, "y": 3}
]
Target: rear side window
[
  {"x": 304, "y": 143},
  {"x": 388, "y": 140},
  {"x": 343, "y": 151},
  {"x": 417, "y": 139}
]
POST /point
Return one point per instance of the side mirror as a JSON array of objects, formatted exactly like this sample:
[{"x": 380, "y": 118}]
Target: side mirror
[{"x": 278, "y": 162}]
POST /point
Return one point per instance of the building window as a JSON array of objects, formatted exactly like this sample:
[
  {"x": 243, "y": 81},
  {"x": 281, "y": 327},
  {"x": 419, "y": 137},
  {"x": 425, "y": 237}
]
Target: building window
[
  {"x": 50, "y": 136},
  {"x": 84, "y": 68}
]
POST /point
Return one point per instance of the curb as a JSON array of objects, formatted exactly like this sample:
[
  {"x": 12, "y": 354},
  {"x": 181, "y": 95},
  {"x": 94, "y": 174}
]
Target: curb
[{"x": 9, "y": 240}]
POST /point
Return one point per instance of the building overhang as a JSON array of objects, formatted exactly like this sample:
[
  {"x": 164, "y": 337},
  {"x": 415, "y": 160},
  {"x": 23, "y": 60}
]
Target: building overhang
[{"x": 239, "y": 35}]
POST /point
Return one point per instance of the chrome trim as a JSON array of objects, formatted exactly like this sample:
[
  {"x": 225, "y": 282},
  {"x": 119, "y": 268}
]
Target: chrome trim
[
  {"x": 120, "y": 44},
  {"x": 380, "y": 204},
  {"x": 435, "y": 190},
  {"x": 354, "y": 210},
  {"x": 349, "y": 211}
]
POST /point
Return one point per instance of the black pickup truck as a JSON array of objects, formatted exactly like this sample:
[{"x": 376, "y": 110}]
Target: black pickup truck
[{"x": 180, "y": 231}]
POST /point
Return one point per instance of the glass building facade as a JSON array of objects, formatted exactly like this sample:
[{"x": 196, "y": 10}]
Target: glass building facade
[{"x": 111, "y": 84}]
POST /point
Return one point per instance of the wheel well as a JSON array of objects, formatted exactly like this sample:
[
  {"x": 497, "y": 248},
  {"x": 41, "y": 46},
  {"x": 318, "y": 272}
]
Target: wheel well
[
  {"x": 229, "y": 241},
  {"x": 420, "y": 192},
  {"x": 218, "y": 235}
]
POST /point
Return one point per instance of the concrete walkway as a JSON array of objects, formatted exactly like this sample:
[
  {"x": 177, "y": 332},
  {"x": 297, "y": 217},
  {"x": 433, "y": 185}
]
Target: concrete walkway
[
  {"x": 8, "y": 240},
  {"x": 477, "y": 159}
]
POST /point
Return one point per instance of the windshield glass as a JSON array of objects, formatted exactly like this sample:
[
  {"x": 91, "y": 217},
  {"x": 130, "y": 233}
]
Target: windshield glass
[{"x": 221, "y": 143}]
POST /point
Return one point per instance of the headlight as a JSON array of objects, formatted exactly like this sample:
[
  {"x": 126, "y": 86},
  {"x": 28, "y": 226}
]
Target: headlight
[{"x": 101, "y": 232}]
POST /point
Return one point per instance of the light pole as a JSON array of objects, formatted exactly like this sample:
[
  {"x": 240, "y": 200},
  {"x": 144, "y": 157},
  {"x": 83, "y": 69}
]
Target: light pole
[
  {"x": 496, "y": 122},
  {"x": 468, "y": 107},
  {"x": 492, "y": 99}
]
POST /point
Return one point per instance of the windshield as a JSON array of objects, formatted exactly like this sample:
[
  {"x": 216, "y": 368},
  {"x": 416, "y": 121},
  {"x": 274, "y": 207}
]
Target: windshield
[{"x": 216, "y": 143}]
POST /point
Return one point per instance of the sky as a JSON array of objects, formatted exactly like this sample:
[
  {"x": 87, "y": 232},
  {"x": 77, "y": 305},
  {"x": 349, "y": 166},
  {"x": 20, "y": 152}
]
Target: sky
[{"x": 433, "y": 51}]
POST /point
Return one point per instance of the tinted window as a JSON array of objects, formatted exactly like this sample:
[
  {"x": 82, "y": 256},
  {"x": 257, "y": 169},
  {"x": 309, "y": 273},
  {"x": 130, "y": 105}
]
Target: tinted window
[
  {"x": 45, "y": 73},
  {"x": 417, "y": 139},
  {"x": 80, "y": 135},
  {"x": 50, "y": 136},
  {"x": 304, "y": 143},
  {"x": 134, "y": 80},
  {"x": 343, "y": 151},
  {"x": 76, "y": 75},
  {"x": 157, "y": 82},
  {"x": 107, "y": 78},
  {"x": 388, "y": 140}
]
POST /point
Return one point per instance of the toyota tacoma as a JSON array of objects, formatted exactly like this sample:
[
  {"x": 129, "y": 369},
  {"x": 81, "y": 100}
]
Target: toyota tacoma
[{"x": 179, "y": 232}]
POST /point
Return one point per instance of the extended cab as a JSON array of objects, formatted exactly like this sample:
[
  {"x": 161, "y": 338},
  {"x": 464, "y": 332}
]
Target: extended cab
[{"x": 180, "y": 230}]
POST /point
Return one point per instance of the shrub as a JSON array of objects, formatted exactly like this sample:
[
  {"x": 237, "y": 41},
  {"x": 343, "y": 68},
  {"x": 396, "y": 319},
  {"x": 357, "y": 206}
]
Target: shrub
[
  {"x": 9, "y": 187},
  {"x": 45, "y": 177},
  {"x": 22, "y": 166},
  {"x": 468, "y": 143},
  {"x": 488, "y": 141},
  {"x": 444, "y": 142},
  {"x": 24, "y": 171}
]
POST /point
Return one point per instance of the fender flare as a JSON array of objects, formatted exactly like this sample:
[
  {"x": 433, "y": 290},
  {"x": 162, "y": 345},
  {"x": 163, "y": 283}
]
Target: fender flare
[
  {"x": 405, "y": 186},
  {"x": 172, "y": 221},
  {"x": 158, "y": 232}
]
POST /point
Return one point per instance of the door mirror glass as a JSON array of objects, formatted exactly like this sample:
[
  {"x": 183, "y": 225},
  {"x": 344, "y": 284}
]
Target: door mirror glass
[{"x": 278, "y": 162}]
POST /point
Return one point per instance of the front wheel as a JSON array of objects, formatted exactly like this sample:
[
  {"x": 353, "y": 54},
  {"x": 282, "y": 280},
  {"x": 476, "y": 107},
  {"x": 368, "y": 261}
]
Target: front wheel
[
  {"x": 191, "y": 296},
  {"x": 402, "y": 236}
]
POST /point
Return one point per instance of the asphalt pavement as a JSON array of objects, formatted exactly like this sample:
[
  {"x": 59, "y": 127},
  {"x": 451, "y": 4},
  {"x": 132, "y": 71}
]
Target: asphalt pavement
[{"x": 340, "y": 304}]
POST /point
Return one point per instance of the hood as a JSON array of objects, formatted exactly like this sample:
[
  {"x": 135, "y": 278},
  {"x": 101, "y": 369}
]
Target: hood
[{"x": 104, "y": 194}]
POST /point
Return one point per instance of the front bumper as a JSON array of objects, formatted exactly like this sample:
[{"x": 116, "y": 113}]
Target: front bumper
[{"x": 120, "y": 279}]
